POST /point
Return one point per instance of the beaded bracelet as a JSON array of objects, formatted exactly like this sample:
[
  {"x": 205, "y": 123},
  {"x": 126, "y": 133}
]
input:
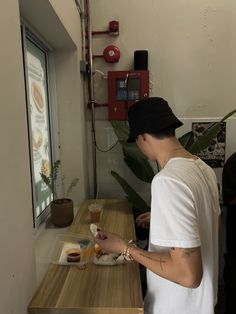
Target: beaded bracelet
[{"x": 126, "y": 252}]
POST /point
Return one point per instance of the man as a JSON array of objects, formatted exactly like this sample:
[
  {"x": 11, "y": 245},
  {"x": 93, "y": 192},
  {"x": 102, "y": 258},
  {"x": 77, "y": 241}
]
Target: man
[
  {"x": 229, "y": 196},
  {"x": 182, "y": 259}
]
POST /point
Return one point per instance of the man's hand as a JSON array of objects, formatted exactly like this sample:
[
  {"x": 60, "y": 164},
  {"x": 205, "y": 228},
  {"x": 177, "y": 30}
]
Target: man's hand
[
  {"x": 143, "y": 220},
  {"x": 110, "y": 242}
]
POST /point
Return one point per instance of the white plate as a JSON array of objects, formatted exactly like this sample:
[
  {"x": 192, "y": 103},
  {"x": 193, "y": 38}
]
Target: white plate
[{"x": 109, "y": 260}]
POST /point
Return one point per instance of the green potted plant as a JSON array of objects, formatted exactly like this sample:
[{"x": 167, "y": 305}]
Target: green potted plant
[{"x": 62, "y": 209}]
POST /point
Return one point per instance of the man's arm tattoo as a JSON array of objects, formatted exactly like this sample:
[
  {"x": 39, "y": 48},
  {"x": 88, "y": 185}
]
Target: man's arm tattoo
[{"x": 160, "y": 260}]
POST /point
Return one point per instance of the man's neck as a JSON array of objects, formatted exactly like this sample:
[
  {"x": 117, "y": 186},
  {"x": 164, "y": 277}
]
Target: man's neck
[{"x": 170, "y": 148}]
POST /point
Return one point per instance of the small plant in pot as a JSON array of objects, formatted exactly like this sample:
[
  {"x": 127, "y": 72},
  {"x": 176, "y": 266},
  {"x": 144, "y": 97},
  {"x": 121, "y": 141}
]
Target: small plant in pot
[{"x": 62, "y": 209}]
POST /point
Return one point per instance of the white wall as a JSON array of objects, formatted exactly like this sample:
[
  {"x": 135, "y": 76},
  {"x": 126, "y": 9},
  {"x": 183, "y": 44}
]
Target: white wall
[
  {"x": 70, "y": 100},
  {"x": 71, "y": 119},
  {"x": 192, "y": 47},
  {"x": 17, "y": 266}
]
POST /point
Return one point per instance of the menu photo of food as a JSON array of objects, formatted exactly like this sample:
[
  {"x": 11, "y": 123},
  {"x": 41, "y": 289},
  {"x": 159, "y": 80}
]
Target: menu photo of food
[
  {"x": 37, "y": 95},
  {"x": 45, "y": 167},
  {"x": 37, "y": 139}
]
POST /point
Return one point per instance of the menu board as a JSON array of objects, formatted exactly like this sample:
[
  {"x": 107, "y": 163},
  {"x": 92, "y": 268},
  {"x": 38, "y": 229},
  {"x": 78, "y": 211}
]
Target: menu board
[{"x": 39, "y": 124}]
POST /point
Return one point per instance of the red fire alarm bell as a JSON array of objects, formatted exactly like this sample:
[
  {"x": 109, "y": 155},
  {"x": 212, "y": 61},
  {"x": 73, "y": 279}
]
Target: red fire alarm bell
[
  {"x": 111, "y": 54},
  {"x": 124, "y": 88},
  {"x": 114, "y": 28}
]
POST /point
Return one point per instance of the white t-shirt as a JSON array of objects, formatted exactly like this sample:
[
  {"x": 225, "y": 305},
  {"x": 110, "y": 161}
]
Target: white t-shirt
[{"x": 184, "y": 214}]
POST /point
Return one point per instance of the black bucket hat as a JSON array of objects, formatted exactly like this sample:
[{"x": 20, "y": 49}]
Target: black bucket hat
[{"x": 150, "y": 115}]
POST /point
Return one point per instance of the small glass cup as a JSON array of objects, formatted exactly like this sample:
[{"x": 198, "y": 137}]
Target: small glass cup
[{"x": 95, "y": 210}]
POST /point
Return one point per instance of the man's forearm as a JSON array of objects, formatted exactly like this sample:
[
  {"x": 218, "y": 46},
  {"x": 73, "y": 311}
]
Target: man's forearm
[{"x": 172, "y": 267}]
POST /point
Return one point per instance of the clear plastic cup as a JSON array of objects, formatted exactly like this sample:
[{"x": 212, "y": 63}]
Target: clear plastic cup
[{"x": 95, "y": 210}]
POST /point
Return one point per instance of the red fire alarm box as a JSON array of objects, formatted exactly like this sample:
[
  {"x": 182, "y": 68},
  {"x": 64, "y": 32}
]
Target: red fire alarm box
[{"x": 125, "y": 88}]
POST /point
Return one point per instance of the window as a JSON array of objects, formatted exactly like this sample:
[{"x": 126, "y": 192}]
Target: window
[{"x": 36, "y": 64}]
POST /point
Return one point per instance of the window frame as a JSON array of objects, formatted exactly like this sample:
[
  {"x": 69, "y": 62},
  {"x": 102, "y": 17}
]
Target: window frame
[{"x": 28, "y": 33}]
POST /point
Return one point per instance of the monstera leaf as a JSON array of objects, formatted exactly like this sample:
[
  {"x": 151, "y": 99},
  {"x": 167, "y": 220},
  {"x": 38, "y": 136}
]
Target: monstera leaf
[
  {"x": 121, "y": 130},
  {"x": 138, "y": 203},
  {"x": 203, "y": 141},
  {"x": 140, "y": 167},
  {"x": 187, "y": 139},
  {"x": 136, "y": 161}
]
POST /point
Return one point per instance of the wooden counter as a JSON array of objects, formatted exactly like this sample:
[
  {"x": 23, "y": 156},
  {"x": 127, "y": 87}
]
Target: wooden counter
[{"x": 96, "y": 289}]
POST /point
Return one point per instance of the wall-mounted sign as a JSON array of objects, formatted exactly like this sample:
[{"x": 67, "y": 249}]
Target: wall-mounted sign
[
  {"x": 38, "y": 110},
  {"x": 214, "y": 154}
]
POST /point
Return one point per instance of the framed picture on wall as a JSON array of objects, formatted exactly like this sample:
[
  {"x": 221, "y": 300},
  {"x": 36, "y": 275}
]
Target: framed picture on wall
[{"x": 214, "y": 154}]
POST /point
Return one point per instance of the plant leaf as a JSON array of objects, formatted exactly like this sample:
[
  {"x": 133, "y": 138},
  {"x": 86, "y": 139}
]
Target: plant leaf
[
  {"x": 55, "y": 169},
  {"x": 203, "y": 141},
  {"x": 131, "y": 149},
  {"x": 228, "y": 115},
  {"x": 132, "y": 196},
  {"x": 140, "y": 168},
  {"x": 47, "y": 180},
  {"x": 187, "y": 139},
  {"x": 121, "y": 130},
  {"x": 71, "y": 186}
]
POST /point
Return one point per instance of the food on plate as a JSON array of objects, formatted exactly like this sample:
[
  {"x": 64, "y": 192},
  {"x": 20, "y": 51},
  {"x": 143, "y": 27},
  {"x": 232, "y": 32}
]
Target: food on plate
[
  {"x": 103, "y": 258},
  {"x": 98, "y": 250},
  {"x": 110, "y": 259},
  {"x": 94, "y": 229}
]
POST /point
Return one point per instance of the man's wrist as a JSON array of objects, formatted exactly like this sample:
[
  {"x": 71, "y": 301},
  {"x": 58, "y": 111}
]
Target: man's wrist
[{"x": 127, "y": 250}]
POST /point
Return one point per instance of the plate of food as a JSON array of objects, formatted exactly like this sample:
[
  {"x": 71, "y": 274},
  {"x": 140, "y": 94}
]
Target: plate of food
[
  {"x": 72, "y": 249},
  {"x": 107, "y": 259},
  {"x": 104, "y": 258}
]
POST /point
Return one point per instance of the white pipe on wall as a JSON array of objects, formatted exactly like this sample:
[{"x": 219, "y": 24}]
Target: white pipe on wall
[{"x": 91, "y": 94}]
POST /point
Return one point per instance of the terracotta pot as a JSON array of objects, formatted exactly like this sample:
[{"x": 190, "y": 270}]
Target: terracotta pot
[{"x": 62, "y": 212}]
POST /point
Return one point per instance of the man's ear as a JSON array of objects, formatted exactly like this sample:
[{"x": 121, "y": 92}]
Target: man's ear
[{"x": 144, "y": 136}]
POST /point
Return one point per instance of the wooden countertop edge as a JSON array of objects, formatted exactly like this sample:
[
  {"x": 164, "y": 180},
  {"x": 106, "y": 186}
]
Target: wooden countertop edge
[{"x": 81, "y": 310}]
